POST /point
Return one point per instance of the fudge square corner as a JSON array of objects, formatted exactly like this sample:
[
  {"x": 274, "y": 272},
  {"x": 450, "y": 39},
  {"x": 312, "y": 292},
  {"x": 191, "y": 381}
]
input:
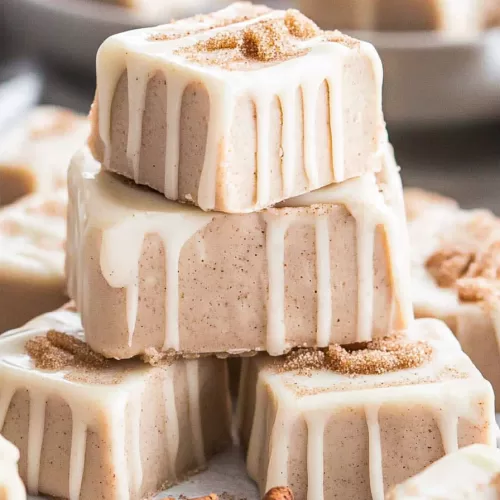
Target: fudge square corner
[{"x": 345, "y": 423}]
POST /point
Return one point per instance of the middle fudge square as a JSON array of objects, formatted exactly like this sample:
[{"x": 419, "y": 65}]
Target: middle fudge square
[
  {"x": 328, "y": 266},
  {"x": 237, "y": 110},
  {"x": 352, "y": 422}
]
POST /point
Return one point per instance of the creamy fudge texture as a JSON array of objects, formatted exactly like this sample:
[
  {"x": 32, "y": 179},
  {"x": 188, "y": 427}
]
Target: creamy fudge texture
[
  {"x": 238, "y": 110},
  {"x": 329, "y": 266},
  {"x": 339, "y": 423},
  {"x": 11, "y": 486},
  {"x": 472, "y": 473},
  {"x": 32, "y": 239},
  {"x": 451, "y": 17},
  {"x": 90, "y": 428},
  {"x": 456, "y": 273},
  {"x": 35, "y": 154}
]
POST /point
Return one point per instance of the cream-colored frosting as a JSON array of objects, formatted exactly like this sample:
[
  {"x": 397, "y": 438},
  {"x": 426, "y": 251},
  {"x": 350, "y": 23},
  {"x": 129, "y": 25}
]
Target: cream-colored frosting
[
  {"x": 42, "y": 145},
  {"x": 126, "y": 214},
  {"x": 450, "y": 387},
  {"x": 32, "y": 234},
  {"x": 89, "y": 402},
  {"x": 135, "y": 53},
  {"x": 464, "y": 475},
  {"x": 10, "y": 483}
]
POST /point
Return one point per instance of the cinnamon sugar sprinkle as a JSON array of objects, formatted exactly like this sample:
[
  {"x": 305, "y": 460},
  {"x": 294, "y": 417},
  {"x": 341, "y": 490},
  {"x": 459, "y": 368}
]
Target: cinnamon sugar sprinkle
[
  {"x": 269, "y": 40},
  {"x": 368, "y": 358},
  {"x": 473, "y": 272},
  {"x": 57, "y": 351}
]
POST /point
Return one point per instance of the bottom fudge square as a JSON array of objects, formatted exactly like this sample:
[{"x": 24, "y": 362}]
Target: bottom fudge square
[
  {"x": 350, "y": 422},
  {"x": 92, "y": 428},
  {"x": 471, "y": 473},
  {"x": 11, "y": 486}
]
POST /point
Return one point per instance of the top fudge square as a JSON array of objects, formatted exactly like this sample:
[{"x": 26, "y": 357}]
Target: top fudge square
[{"x": 237, "y": 110}]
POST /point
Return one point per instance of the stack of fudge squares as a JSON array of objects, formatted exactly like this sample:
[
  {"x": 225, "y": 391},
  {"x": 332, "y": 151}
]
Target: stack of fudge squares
[{"x": 238, "y": 197}]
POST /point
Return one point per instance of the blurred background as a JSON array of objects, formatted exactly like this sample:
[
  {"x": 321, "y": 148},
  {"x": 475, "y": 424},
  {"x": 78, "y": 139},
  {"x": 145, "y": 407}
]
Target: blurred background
[{"x": 441, "y": 62}]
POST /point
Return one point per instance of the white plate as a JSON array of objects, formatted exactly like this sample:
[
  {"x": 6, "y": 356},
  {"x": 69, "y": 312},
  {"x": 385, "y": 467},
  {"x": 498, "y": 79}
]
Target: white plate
[
  {"x": 71, "y": 31},
  {"x": 429, "y": 78}
]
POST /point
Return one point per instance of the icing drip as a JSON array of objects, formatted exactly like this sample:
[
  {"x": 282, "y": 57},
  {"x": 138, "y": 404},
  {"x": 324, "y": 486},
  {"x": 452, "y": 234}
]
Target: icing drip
[
  {"x": 375, "y": 463},
  {"x": 279, "y": 449},
  {"x": 323, "y": 62},
  {"x": 11, "y": 486},
  {"x": 277, "y": 228},
  {"x": 323, "y": 276},
  {"x": 118, "y": 438},
  {"x": 35, "y": 439},
  {"x": 77, "y": 460},
  {"x": 193, "y": 382},
  {"x": 134, "y": 430},
  {"x": 315, "y": 456},
  {"x": 138, "y": 77}
]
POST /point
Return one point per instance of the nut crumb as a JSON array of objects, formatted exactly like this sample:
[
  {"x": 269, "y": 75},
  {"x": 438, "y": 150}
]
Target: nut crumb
[{"x": 279, "y": 493}]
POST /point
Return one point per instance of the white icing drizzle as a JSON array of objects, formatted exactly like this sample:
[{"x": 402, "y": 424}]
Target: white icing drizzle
[
  {"x": 77, "y": 459},
  {"x": 469, "y": 397},
  {"x": 134, "y": 430},
  {"x": 279, "y": 449},
  {"x": 36, "y": 431},
  {"x": 134, "y": 52},
  {"x": 193, "y": 383},
  {"x": 324, "y": 278},
  {"x": 375, "y": 463},
  {"x": 138, "y": 77},
  {"x": 277, "y": 227},
  {"x": 315, "y": 456}
]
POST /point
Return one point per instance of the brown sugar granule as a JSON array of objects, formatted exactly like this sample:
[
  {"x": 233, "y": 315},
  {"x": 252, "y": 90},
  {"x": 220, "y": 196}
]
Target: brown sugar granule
[
  {"x": 378, "y": 356},
  {"x": 486, "y": 264},
  {"x": 266, "y": 41},
  {"x": 300, "y": 26},
  {"x": 338, "y": 37},
  {"x": 166, "y": 37},
  {"x": 57, "y": 350},
  {"x": 221, "y": 41},
  {"x": 447, "y": 266},
  {"x": 367, "y": 358}
]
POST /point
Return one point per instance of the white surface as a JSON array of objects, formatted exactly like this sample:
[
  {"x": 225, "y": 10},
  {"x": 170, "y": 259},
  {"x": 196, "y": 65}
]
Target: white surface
[{"x": 431, "y": 78}]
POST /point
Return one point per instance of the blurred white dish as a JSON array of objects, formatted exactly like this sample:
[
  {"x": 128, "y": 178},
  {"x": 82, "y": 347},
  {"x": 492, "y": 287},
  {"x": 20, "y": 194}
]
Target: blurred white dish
[
  {"x": 71, "y": 31},
  {"x": 429, "y": 78},
  {"x": 432, "y": 78}
]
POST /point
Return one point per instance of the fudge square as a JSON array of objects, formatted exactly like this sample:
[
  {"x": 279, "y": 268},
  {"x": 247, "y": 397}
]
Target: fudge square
[
  {"x": 11, "y": 486},
  {"x": 328, "y": 266},
  {"x": 91, "y": 428},
  {"x": 32, "y": 239},
  {"x": 35, "y": 153},
  {"x": 352, "y": 422},
  {"x": 456, "y": 274},
  {"x": 472, "y": 472},
  {"x": 237, "y": 110},
  {"x": 466, "y": 17}
]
